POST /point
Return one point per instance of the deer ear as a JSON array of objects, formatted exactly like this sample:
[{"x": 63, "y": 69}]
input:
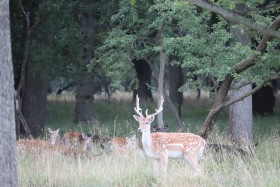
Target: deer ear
[
  {"x": 50, "y": 130},
  {"x": 136, "y": 117},
  {"x": 166, "y": 127},
  {"x": 151, "y": 118},
  {"x": 84, "y": 135},
  {"x": 57, "y": 130}
]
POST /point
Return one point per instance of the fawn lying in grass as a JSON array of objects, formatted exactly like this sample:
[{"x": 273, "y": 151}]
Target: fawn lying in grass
[
  {"x": 118, "y": 145},
  {"x": 30, "y": 144},
  {"x": 40, "y": 146},
  {"x": 74, "y": 138}
]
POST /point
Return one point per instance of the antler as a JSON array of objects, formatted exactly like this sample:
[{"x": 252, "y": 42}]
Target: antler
[
  {"x": 137, "y": 109},
  {"x": 157, "y": 110}
]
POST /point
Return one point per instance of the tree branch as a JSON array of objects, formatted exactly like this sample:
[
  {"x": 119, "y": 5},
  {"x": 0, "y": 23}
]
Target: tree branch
[
  {"x": 231, "y": 16},
  {"x": 21, "y": 83},
  {"x": 257, "y": 88},
  {"x": 225, "y": 86},
  {"x": 262, "y": 8}
]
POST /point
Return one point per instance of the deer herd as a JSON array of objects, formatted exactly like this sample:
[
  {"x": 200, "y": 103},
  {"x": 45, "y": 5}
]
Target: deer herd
[{"x": 159, "y": 146}]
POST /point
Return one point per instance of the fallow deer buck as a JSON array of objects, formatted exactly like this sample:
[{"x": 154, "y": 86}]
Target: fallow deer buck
[{"x": 160, "y": 145}]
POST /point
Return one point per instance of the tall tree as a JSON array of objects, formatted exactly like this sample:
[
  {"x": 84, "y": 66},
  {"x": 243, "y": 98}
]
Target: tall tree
[
  {"x": 237, "y": 71},
  {"x": 176, "y": 80},
  {"x": 241, "y": 115},
  {"x": 35, "y": 100},
  {"x": 84, "y": 79},
  {"x": 140, "y": 34},
  {"x": 8, "y": 176}
]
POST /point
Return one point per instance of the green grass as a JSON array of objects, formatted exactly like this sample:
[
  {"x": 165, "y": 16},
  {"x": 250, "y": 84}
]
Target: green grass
[{"x": 113, "y": 170}]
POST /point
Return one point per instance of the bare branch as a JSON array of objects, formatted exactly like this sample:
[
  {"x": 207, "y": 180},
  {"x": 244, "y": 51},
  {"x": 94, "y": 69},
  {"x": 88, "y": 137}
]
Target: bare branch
[
  {"x": 20, "y": 4},
  {"x": 39, "y": 22},
  {"x": 231, "y": 16}
]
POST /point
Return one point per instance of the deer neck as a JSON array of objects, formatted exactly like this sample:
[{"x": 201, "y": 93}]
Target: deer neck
[
  {"x": 52, "y": 140},
  {"x": 146, "y": 139}
]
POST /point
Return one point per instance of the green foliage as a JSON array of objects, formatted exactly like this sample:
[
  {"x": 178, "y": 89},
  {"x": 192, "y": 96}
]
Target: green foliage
[
  {"x": 201, "y": 41},
  {"x": 59, "y": 40}
]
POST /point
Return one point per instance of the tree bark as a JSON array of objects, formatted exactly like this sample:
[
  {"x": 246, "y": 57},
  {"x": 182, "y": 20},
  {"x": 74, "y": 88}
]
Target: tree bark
[
  {"x": 225, "y": 85},
  {"x": 34, "y": 101},
  {"x": 175, "y": 82},
  {"x": 241, "y": 115},
  {"x": 8, "y": 166},
  {"x": 161, "y": 80},
  {"x": 144, "y": 75},
  {"x": 84, "y": 79},
  {"x": 84, "y": 98}
]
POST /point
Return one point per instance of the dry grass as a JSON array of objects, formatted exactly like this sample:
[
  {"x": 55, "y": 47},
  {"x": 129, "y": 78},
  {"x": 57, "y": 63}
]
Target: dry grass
[{"x": 112, "y": 170}]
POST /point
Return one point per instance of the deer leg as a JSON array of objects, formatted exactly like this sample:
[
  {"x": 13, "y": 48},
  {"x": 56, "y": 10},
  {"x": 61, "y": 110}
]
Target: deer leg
[
  {"x": 164, "y": 162},
  {"x": 156, "y": 166},
  {"x": 194, "y": 164}
]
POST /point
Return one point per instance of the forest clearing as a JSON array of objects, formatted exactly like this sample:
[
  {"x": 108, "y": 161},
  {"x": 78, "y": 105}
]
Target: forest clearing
[
  {"x": 109, "y": 169},
  {"x": 139, "y": 93}
]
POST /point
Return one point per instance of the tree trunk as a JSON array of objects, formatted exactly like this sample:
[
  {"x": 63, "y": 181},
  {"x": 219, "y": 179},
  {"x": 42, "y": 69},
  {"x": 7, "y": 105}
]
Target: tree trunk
[
  {"x": 84, "y": 80},
  {"x": 225, "y": 85},
  {"x": 84, "y": 98},
  {"x": 144, "y": 75},
  {"x": 241, "y": 115},
  {"x": 34, "y": 101},
  {"x": 8, "y": 166},
  {"x": 161, "y": 81},
  {"x": 175, "y": 82},
  {"x": 217, "y": 106}
]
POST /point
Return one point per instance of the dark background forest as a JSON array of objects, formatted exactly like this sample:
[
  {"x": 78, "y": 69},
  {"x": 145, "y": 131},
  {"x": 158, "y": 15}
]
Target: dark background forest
[{"x": 92, "y": 47}]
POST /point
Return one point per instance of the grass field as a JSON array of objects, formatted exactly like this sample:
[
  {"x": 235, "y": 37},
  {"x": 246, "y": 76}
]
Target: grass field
[{"x": 116, "y": 119}]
